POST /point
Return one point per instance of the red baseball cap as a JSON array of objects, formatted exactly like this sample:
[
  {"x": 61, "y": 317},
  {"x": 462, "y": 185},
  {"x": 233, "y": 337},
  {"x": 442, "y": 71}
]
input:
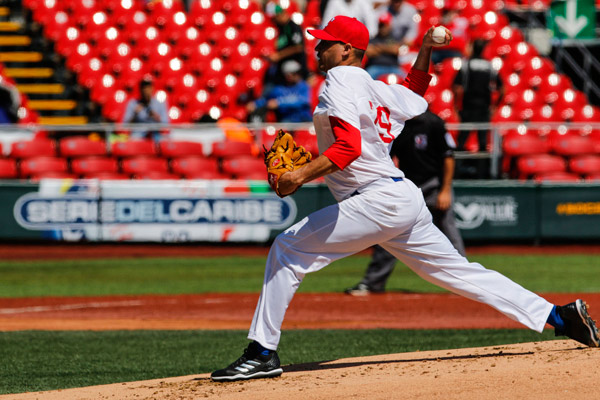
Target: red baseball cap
[{"x": 344, "y": 29}]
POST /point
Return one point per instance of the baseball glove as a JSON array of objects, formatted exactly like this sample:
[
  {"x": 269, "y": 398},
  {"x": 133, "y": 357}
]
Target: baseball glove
[{"x": 284, "y": 156}]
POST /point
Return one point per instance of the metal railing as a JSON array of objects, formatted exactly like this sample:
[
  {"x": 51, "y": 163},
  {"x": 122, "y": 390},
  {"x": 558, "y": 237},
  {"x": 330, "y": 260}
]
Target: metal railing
[{"x": 212, "y": 132}]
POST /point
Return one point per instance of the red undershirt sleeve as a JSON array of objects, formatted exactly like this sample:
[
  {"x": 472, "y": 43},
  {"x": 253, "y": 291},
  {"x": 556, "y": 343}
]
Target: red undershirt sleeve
[
  {"x": 347, "y": 145},
  {"x": 417, "y": 81}
]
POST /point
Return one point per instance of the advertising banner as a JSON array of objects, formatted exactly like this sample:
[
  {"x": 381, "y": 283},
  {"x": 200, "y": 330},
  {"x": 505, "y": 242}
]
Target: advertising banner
[
  {"x": 169, "y": 211},
  {"x": 495, "y": 210}
]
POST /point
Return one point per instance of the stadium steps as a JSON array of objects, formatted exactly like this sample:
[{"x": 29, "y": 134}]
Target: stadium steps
[
  {"x": 36, "y": 73},
  {"x": 40, "y": 105},
  {"x": 33, "y": 67},
  {"x": 15, "y": 40},
  {"x": 67, "y": 120}
]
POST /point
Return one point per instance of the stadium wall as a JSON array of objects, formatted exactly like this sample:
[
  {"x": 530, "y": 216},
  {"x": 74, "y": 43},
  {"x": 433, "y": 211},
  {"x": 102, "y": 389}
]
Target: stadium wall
[{"x": 247, "y": 211}]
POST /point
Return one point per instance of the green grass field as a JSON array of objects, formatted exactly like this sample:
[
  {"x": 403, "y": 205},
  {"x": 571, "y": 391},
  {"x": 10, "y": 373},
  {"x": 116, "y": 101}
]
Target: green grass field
[{"x": 36, "y": 360}]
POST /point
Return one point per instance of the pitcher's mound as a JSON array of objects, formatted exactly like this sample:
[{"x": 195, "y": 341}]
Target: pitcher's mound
[{"x": 560, "y": 370}]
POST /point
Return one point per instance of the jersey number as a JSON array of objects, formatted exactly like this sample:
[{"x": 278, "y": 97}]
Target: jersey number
[{"x": 383, "y": 123}]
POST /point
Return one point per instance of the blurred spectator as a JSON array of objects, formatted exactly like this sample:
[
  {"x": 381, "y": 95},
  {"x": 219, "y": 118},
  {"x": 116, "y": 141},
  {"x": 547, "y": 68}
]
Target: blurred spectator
[
  {"x": 362, "y": 10},
  {"x": 10, "y": 101},
  {"x": 290, "y": 101},
  {"x": 404, "y": 21},
  {"x": 289, "y": 46},
  {"x": 473, "y": 87},
  {"x": 382, "y": 53},
  {"x": 459, "y": 26},
  {"x": 146, "y": 109}
]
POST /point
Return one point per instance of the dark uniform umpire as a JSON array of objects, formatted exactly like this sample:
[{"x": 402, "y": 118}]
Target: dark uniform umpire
[{"x": 424, "y": 152}]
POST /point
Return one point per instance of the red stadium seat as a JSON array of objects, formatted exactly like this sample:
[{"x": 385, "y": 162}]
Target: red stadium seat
[
  {"x": 539, "y": 163},
  {"x": 557, "y": 177},
  {"x": 94, "y": 165},
  {"x": 553, "y": 86},
  {"x": 519, "y": 145},
  {"x": 42, "y": 165},
  {"x": 243, "y": 166},
  {"x": 588, "y": 114},
  {"x": 192, "y": 166},
  {"x": 519, "y": 55},
  {"x": 80, "y": 146},
  {"x": 569, "y": 103},
  {"x": 174, "y": 149},
  {"x": 144, "y": 164},
  {"x": 502, "y": 43},
  {"x": 8, "y": 168},
  {"x": 32, "y": 148},
  {"x": 572, "y": 145},
  {"x": 585, "y": 165},
  {"x": 526, "y": 103},
  {"x": 230, "y": 148},
  {"x": 307, "y": 139},
  {"x": 206, "y": 175},
  {"x": 593, "y": 177},
  {"x": 536, "y": 70},
  {"x": 132, "y": 148}
]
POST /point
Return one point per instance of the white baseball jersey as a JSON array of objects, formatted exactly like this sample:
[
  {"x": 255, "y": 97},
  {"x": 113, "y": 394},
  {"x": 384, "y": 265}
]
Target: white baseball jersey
[
  {"x": 377, "y": 110},
  {"x": 391, "y": 213}
]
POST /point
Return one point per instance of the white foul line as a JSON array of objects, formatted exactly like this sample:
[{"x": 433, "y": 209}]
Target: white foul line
[{"x": 63, "y": 307}]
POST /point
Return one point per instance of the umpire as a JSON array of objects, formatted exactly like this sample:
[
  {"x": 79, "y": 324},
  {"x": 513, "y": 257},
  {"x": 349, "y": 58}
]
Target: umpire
[{"x": 424, "y": 152}]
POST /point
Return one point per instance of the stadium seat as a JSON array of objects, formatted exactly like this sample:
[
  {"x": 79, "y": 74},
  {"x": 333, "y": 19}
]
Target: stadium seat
[
  {"x": 307, "y": 139},
  {"x": 515, "y": 145},
  {"x": 536, "y": 70},
  {"x": 538, "y": 164},
  {"x": 585, "y": 165},
  {"x": 132, "y": 148},
  {"x": 81, "y": 146},
  {"x": 526, "y": 103},
  {"x": 42, "y": 165},
  {"x": 144, "y": 164},
  {"x": 32, "y": 148},
  {"x": 557, "y": 177},
  {"x": 242, "y": 166},
  {"x": 230, "y": 148},
  {"x": 588, "y": 114},
  {"x": 572, "y": 145},
  {"x": 175, "y": 149},
  {"x": 192, "y": 166},
  {"x": 8, "y": 168},
  {"x": 569, "y": 103},
  {"x": 502, "y": 43},
  {"x": 553, "y": 86},
  {"x": 519, "y": 55},
  {"x": 94, "y": 165}
]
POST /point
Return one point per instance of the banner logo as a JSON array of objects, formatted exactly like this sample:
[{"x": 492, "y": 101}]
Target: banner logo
[
  {"x": 32, "y": 211},
  {"x": 472, "y": 211}
]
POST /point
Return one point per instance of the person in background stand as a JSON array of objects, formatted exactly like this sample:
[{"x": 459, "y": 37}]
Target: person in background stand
[
  {"x": 288, "y": 46},
  {"x": 382, "y": 52},
  {"x": 290, "y": 102},
  {"x": 146, "y": 109},
  {"x": 424, "y": 152},
  {"x": 473, "y": 87}
]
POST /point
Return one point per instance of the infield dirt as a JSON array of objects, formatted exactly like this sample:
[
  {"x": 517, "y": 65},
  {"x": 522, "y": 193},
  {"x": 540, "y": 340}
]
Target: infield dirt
[{"x": 559, "y": 369}]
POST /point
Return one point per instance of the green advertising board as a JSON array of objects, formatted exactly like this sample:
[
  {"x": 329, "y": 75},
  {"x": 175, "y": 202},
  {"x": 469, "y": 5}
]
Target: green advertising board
[
  {"x": 572, "y": 19},
  {"x": 487, "y": 210},
  {"x": 571, "y": 211}
]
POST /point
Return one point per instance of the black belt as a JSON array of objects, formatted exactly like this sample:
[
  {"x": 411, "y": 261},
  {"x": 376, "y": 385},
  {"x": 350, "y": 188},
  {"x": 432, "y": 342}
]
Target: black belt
[{"x": 394, "y": 178}]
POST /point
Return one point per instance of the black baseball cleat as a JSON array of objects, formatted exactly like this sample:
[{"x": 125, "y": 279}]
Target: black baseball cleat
[
  {"x": 251, "y": 365},
  {"x": 578, "y": 324}
]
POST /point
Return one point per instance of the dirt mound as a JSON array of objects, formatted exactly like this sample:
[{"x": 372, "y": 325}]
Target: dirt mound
[{"x": 549, "y": 370}]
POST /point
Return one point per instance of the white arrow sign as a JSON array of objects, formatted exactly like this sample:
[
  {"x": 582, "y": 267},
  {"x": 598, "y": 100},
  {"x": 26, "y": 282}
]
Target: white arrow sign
[{"x": 571, "y": 25}]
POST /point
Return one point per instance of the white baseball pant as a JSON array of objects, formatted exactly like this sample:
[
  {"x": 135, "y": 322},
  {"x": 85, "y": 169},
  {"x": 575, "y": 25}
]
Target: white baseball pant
[{"x": 394, "y": 216}]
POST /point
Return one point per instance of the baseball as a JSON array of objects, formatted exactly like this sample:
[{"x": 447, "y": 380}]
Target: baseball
[{"x": 439, "y": 34}]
